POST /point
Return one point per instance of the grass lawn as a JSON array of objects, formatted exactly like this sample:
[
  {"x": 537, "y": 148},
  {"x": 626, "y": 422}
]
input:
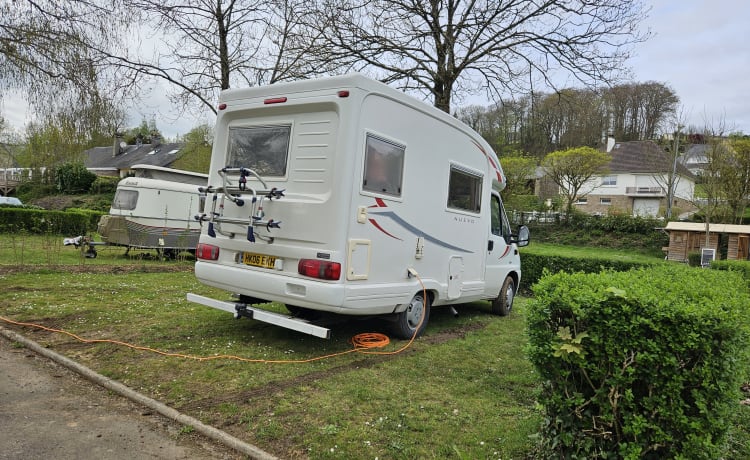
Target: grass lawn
[{"x": 463, "y": 390}]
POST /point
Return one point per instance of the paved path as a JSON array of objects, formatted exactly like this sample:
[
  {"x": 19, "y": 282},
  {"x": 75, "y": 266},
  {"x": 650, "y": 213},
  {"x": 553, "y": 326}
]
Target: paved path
[{"x": 46, "y": 411}]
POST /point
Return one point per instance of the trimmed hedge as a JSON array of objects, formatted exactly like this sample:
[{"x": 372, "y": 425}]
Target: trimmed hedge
[
  {"x": 71, "y": 222},
  {"x": 639, "y": 364},
  {"x": 534, "y": 266},
  {"x": 740, "y": 266}
]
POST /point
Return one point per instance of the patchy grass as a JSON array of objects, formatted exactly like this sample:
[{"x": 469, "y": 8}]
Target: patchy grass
[
  {"x": 35, "y": 251},
  {"x": 463, "y": 390}
]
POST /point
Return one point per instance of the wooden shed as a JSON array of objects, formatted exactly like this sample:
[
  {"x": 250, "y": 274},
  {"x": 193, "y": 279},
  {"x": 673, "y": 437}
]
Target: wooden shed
[{"x": 687, "y": 237}]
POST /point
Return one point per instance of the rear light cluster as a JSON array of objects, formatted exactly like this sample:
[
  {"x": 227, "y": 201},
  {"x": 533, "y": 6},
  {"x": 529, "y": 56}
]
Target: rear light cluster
[
  {"x": 321, "y": 269},
  {"x": 207, "y": 251}
]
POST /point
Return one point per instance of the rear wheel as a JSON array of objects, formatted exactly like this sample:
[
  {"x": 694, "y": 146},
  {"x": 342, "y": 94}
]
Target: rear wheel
[
  {"x": 504, "y": 302},
  {"x": 413, "y": 321}
]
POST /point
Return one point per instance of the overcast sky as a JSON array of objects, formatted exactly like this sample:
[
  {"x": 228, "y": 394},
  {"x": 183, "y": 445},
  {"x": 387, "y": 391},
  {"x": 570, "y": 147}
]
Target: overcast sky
[{"x": 700, "y": 48}]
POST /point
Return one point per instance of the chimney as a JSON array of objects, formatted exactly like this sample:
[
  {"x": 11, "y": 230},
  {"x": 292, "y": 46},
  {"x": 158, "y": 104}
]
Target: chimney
[
  {"x": 610, "y": 142},
  {"x": 117, "y": 146}
]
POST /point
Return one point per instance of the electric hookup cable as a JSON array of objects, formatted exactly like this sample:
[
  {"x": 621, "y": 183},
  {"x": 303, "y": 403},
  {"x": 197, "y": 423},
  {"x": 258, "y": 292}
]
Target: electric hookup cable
[{"x": 362, "y": 343}]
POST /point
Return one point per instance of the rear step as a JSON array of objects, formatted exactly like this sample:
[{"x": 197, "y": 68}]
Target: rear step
[{"x": 240, "y": 309}]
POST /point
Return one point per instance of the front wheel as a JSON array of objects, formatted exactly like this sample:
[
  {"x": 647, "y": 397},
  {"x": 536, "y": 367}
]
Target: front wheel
[
  {"x": 504, "y": 302},
  {"x": 413, "y": 321}
]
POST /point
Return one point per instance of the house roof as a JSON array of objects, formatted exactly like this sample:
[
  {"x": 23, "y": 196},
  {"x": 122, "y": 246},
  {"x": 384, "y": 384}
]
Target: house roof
[
  {"x": 644, "y": 157},
  {"x": 713, "y": 228},
  {"x": 100, "y": 158}
]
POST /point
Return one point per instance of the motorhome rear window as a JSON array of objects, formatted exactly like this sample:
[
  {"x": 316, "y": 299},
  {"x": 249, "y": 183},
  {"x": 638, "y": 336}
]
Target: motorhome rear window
[
  {"x": 384, "y": 166},
  {"x": 464, "y": 190},
  {"x": 125, "y": 199},
  {"x": 264, "y": 149}
]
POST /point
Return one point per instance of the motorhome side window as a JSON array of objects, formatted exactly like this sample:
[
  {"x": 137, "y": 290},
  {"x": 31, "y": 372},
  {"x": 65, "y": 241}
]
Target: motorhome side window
[
  {"x": 384, "y": 166},
  {"x": 464, "y": 190},
  {"x": 125, "y": 200},
  {"x": 264, "y": 149},
  {"x": 500, "y": 225}
]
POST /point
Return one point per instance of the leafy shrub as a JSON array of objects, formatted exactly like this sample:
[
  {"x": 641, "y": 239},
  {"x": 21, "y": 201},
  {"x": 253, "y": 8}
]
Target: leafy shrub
[
  {"x": 41, "y": 221},
  {"x": 73, "y": 177},
  {"x": 639, "y": 364},
  {"x": 694, "y": 259},
  {"x": 534, "y": 265},
  {"x": 740, "y": 266},
  {"x": 104, "y": 185}
]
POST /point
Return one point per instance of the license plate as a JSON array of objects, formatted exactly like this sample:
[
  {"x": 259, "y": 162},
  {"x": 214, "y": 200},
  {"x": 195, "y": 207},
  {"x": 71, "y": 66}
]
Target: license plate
[{"x": 258, "y": 260}]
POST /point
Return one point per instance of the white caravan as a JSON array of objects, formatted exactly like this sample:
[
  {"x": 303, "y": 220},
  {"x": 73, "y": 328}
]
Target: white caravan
[
  {"x": 340, "y": 195},
  {"x": 155, "y": 209}
]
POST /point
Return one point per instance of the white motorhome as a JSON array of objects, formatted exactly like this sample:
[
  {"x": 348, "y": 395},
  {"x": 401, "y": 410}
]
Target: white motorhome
[
  {"x": 345, "y": 195},
  {"x": 155, "y": 209}
]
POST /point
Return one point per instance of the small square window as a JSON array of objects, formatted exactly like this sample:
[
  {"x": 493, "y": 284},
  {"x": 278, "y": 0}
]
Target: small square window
[
  {"x": 125, "y": 199},
  {"x": 582, "y": 200},
  {"x": 264, "y": 149},
  {"x": 464, "y": 190},
  {"x": 605, "y": 201},
  {"x": 384, "y": 166},
  {"x": 609, "y": 180}
]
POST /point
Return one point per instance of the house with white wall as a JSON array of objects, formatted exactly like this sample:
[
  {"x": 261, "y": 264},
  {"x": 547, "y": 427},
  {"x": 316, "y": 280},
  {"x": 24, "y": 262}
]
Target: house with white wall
[{"x": 636, "y": 182}]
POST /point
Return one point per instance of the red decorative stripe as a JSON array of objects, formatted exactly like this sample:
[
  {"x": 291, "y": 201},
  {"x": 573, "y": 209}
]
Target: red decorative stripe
[
  {"x": 507, "y": 250},
  {"x": 380, "y": 202},
  {"x": 373, "y": 222}
]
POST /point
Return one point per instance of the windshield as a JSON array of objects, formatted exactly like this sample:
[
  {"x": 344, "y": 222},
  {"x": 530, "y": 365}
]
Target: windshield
[{"x": 264, "y": 149}]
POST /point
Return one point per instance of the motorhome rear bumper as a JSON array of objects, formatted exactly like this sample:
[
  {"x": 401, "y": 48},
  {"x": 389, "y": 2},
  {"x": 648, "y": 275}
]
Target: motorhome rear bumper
[{"x": 302, "y": 292}]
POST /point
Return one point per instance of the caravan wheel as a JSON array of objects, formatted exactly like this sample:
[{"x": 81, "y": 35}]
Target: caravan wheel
[
  {"x": 416, "y": 315},
  {"x": 504, "y": 302}
]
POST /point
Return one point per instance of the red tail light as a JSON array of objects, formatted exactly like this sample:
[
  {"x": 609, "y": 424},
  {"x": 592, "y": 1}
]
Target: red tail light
[
  {"x": 321, "y": 269},
  {"x": 207, "y": 251},
  {"x": 274, "y": 100}
]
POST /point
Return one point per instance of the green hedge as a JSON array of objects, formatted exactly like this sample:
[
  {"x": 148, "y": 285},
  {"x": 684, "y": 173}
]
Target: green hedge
[
  {"x": 740, "y": 266},
  {"x": 71, "y": 222},
  {"x": 639, "y": 364},
  {"x": 534, "y": 266}
]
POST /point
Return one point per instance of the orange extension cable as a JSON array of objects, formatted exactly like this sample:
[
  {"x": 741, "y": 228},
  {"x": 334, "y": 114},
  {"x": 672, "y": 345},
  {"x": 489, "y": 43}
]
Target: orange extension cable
[{"x": 361, "y": 343}]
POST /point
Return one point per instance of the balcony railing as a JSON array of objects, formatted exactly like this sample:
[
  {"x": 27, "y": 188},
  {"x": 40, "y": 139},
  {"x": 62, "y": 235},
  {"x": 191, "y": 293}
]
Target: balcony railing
[{"x": 647, "y": 191}]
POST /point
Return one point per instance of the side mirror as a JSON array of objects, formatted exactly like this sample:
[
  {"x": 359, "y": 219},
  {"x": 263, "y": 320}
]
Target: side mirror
[{"x": 522, "y": 237}]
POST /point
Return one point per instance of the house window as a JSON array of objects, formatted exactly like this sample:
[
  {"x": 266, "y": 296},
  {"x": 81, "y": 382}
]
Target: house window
[
  {"x": 609, "y": 180},
  {"x": 464, "y": 190},
  {"x": 605, "y": 201},
  {"x": 125, "y": 199},
  {"x": 264, "y": 149},
  {"x": 384, "y": 166},
  {"x": 582, "y": 200}
]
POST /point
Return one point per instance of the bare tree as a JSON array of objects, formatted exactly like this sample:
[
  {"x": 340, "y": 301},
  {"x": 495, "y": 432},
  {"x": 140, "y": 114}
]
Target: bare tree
[
  {"x": 205, "y": 46},
  {"x": 638, "y": 111},
  {"x": 735, "y": 176},
  {"x": 45, "y": 46},
  {"x": 445, "y": 47}
]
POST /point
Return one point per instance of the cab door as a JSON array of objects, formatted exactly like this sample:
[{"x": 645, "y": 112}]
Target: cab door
[{"x": 499, "y": 250}]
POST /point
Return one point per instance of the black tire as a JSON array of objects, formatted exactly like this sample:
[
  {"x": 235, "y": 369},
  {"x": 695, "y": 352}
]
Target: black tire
[
  {"x": 504, "y": 302},
  {"x": 416, "y": 315}
]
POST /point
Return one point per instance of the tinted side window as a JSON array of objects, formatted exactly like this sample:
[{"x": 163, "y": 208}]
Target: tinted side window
[
  {"x": 264, "y": 149},
  {"x": 125, "y": 199},
  {"x": 464, "y": 190},
  {"x": 384, "y": 166}
]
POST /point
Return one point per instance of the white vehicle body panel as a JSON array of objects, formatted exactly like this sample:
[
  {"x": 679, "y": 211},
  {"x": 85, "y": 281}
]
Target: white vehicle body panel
[{"x": 328, "y": 214}]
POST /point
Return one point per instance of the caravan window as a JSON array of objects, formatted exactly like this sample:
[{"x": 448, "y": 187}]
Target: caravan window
[
  {"x": 264, "y": 149},
  {"x": 125, "y": 199},
  {"x": 464, "y": 190},
  {"x": 384, "y": 166}
]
